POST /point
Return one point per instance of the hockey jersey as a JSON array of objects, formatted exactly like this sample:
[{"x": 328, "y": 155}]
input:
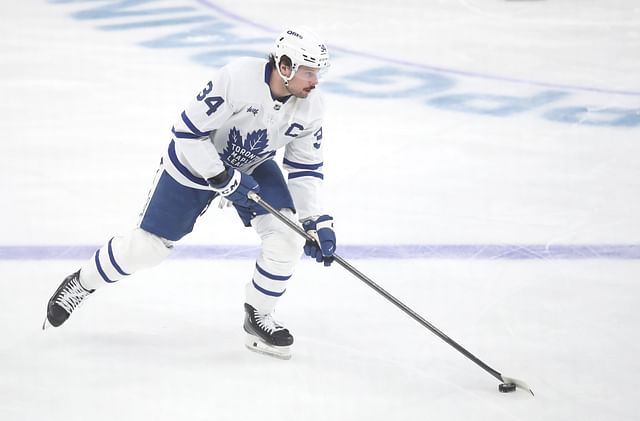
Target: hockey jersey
[{"x": 234, "y": 121}]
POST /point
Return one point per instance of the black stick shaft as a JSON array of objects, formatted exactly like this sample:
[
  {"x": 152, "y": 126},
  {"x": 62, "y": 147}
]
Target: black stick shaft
[{"x": 256, "y": 198}]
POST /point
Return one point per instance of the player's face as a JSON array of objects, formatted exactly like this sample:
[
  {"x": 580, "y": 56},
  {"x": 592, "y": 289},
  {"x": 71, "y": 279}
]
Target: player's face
[{"x": 303, "y": 82}]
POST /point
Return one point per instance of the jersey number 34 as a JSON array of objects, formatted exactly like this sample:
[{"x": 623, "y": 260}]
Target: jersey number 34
[{"x": 213, "y": 102}]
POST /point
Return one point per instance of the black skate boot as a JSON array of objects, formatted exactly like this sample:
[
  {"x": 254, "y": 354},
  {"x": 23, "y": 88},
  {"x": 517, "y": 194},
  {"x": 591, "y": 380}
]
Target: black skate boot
[
  {"x": 265, "y": 334},
  {"x": 67, "y": 297}
]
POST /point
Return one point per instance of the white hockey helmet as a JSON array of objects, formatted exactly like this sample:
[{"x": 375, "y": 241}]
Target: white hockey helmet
[{"x": 303, "y": 47}]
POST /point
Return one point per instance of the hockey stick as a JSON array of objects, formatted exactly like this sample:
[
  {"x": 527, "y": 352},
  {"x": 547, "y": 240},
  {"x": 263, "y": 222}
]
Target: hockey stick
[{"x": 508, "y": 383}]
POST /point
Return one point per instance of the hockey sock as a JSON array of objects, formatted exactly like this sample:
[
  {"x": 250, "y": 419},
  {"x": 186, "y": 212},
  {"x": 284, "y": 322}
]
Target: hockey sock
[{"x": 122, "y": 256}]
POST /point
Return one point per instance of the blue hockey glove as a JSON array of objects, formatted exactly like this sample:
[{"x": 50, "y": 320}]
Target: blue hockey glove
[
  {"x": 234, "y": 185},
  {"x": 325, "y": 245}
]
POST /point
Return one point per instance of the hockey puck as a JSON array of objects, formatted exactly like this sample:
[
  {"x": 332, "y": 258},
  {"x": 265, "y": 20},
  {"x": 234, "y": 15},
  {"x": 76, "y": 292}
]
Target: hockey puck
[{"x": 506, "y": 387}]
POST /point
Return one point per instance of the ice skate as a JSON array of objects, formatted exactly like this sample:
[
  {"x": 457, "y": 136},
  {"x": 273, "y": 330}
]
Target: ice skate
[
  {"x": 265, "y": 335},
  {"x": 67, "y": 298}
]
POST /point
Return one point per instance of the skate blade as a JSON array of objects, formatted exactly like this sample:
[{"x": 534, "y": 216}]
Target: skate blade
[
  {"x": 256, "y": 344},
  {"x": 46, "y": 325}
]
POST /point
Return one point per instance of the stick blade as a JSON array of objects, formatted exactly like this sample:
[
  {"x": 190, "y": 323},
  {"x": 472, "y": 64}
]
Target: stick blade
[{"x": 519, "y": 384}]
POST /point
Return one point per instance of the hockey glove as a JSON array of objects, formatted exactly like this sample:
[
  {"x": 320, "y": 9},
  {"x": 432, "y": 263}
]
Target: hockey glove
[
  {"x": 234, "y": 185},
  {"x": 325, "y": 245}
]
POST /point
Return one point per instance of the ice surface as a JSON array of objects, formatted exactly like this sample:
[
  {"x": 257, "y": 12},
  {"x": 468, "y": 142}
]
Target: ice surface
[{"x": 483, "y": 165}]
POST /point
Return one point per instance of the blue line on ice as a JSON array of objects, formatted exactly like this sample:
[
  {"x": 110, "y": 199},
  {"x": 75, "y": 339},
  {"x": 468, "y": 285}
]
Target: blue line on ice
[{"x": 406, "y": 251}]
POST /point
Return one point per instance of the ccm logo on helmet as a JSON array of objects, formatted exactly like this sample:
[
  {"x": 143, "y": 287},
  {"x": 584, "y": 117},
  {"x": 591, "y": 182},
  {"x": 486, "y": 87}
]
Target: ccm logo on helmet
[{"x": 295, "y": 34}]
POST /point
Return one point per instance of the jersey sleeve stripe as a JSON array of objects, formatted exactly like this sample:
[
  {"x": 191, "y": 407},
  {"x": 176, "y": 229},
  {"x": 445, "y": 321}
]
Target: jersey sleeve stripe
[
  {"x": 184, "y": 135},
  {"x": 306, "y": 174},
  {"x": 181, "y": 168},
  {"x": 300, "y": 166},
  {"x": 192, "y": 126}
]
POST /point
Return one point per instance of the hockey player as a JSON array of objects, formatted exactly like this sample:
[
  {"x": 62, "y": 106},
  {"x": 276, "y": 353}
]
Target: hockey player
[{"x": 223, "y": 144}]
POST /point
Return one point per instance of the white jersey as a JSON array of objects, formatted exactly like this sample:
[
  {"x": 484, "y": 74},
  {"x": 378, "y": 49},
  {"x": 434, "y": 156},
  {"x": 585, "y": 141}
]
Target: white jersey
[{"x": 236, "y": 122}]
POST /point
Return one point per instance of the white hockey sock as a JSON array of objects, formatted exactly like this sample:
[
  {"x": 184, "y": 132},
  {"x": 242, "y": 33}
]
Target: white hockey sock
[
  {"x": 281, "y": 250},
  {"x": 122, "y": 256},
  {"x": 266, "y": 288}
]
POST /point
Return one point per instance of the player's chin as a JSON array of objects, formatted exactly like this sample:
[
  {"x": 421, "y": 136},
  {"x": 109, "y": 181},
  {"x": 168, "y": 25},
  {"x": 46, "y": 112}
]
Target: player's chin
[{"x": 305, "y": 92}]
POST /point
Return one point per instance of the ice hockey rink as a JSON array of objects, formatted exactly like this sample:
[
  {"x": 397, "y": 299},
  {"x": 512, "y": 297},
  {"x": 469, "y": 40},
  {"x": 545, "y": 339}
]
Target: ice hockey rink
[{"x": 482, "y": 163}]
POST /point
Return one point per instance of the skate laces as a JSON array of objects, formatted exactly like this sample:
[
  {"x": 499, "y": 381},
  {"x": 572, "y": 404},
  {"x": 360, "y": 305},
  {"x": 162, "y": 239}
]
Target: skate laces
[
  {"x": 267, "y": 323},
  {"x": 71, "y": 295}
]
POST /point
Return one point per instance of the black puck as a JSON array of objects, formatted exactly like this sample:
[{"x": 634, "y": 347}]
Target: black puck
[{"x": 506, "y": 387}]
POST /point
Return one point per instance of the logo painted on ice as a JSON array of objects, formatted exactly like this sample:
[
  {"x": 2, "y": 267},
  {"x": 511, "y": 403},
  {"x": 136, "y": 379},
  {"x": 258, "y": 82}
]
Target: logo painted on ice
[
  {"x": 240, "y": 151},
  {"x": 431, "y": 86}
]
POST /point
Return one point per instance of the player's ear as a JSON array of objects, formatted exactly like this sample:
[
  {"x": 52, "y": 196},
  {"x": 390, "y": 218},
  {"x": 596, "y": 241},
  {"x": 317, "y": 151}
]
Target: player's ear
[{"x": 285, "y": 69}]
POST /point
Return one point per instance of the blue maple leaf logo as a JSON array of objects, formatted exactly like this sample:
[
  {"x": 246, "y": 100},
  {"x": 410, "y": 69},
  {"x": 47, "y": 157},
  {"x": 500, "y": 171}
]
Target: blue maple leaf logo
[
  {"x": 241, "y": 151},
  {"x": 256, "y": 141},
  {"x": 235, "y": 138}
]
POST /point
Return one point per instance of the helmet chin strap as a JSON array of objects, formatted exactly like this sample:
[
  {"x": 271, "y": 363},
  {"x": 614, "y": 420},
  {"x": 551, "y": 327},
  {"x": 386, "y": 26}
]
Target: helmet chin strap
[{"x": 284, "y": 78}]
